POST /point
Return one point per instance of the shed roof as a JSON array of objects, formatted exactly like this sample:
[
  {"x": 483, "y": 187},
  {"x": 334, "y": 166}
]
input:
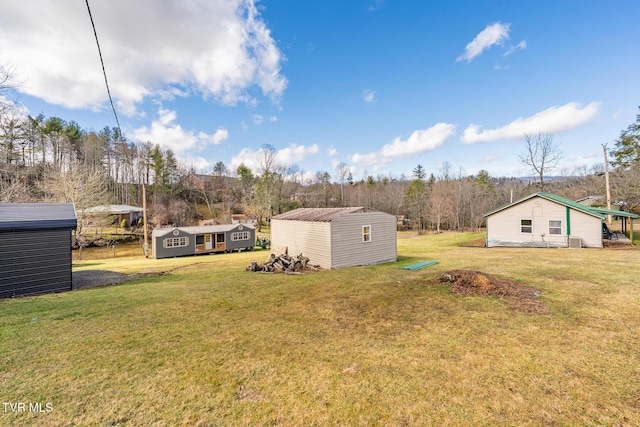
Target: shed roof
[
  {"x": 598, "y": 212},
  {"x": 21, "y": 216},
  {"x": 202, "y": 229},
  {"x": 318, "y": 214},
  {"x": 113, "y": 209}
]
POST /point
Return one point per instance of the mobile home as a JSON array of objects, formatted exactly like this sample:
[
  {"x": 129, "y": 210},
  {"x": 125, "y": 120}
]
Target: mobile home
[{"x": 183, "y": 241}]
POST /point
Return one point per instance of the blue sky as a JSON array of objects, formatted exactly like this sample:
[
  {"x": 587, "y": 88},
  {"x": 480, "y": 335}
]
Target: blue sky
[{"x": 380, "y": 85}]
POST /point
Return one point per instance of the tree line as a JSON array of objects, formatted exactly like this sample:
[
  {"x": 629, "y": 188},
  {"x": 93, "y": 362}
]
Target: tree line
[{"x": 51, "y": 159}]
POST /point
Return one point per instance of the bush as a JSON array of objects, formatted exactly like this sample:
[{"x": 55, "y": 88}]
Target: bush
[{"x": 124, "y": 223}]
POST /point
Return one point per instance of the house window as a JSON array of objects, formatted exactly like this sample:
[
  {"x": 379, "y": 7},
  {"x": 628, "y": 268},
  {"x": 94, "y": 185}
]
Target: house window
[
  {"x": 176, "y": 242},
  {"x": 555, "y": 226},
  {"x": 526, "y": 226},
  {"x": 366, "y": 233},
  {"x": 240, "y": 235}
]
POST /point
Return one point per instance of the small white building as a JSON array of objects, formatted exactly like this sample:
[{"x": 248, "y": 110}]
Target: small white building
[
  {"x": 336, "y": 237},
  {"x": 546, "y": 220},
  {"x": 130, "y": 213}
]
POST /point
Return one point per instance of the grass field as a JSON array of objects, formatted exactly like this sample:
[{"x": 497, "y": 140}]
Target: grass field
[{"x": 212, "y": 345}]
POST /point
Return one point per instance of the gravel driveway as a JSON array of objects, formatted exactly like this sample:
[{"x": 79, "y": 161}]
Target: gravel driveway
[{"x": 92, "y": 278}]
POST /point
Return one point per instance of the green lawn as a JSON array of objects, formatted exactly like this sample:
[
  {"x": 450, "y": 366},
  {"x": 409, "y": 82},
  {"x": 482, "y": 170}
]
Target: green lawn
[{"x": 212, "y": 345}]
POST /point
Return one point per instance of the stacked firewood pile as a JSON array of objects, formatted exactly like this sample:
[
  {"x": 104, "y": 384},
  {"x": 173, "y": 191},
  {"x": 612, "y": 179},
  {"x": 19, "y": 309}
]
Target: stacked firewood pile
[{"x": 284, "y": 263}]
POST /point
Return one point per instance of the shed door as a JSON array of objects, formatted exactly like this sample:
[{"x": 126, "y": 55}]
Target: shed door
[
  {"x": 220, "y": 245},
  {"x": 208, "y": 245}
]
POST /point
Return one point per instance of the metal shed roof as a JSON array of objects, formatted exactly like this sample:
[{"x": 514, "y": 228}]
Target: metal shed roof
[
  {"x": 318, "y": 214},
  {"x": 598, "y": 212},
  {"x": 21, "y": 216}
]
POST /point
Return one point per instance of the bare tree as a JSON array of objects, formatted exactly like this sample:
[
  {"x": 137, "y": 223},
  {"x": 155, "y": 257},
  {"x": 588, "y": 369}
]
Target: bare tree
[
  {"x": 15, "y": 191},
  {"x": 8, "y": 85},
  {"x": 541, "y": 154},
  {"x": 343, "y": 171}
]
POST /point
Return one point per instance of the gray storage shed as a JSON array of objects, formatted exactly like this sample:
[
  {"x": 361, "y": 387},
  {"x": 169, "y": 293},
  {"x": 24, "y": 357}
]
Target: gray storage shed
[
  {"x": 35, "y": 248},
  {"x": 182, "y": 241},
  {"x": 336, "y": 237}
]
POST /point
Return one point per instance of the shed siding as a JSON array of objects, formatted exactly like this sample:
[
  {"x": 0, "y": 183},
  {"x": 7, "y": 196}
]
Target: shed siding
[
  {"x": 313, "y": 239},
  {"x": 34, "y": 262},
  {"x": 159, "y": 251},
  {"x": 503, "y": 227},
  {"x": 347, "y": 246},
  {"x": 588, "y": 228},
  {"x": 233, "y": 245}
]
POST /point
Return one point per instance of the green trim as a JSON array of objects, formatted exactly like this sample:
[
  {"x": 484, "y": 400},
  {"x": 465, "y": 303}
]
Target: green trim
[
  {"x": 486, "y": 231},
  {"x": 597, "y": 212},
  {"x": 568, "y": 209}
]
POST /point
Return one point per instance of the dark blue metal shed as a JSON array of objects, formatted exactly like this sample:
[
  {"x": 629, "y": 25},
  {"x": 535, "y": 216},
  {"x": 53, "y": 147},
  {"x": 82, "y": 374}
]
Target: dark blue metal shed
[{"x": 35, "y": 248}]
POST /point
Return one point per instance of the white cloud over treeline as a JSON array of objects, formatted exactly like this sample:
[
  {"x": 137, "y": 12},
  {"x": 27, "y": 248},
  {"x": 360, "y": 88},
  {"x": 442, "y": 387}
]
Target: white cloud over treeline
[
  {"x": 151, "y": 48},
  {"x": 420, "y": 141},
  {"x": 552, "y": 120}
]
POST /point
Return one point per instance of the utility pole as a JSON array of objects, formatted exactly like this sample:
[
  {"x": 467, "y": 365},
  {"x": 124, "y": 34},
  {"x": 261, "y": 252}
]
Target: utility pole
[{"x": 606, "y": 181}]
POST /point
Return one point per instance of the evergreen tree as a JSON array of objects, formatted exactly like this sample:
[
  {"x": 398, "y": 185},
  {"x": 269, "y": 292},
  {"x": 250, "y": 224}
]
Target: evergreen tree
[{"x": 627, "y": 150}]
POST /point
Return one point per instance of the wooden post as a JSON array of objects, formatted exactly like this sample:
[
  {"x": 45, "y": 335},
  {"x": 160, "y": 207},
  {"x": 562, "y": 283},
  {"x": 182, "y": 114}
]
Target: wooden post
[
  {"x": 145, "y": 246},
  {"x": 606, "y": 181}
]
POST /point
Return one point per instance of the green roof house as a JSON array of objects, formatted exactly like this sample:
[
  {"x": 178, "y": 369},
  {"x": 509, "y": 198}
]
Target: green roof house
[{"x": 547, "y": 220}]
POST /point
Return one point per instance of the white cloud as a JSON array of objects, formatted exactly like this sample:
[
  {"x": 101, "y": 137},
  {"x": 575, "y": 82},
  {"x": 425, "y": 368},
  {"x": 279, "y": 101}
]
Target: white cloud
[
  {"x": 491, "y": 35},
  {"x": 286, "y": 156},
  {"x": 520, "y": 46},
  {"x": 552, "y": 120},
  {"x": 367, "y": 159},
  {"x": 331, "y": 151},
  {"x": 168, "y": 134},
  {"x": 200, "y": 164},
  {"x": 295, "y": 153},
  {"x": 420, "y": 141},
  {"x": 489, "y": 158},
  {"x": 246, "y": 157},
  {"x": 375, "y": 5},
  {"x": 219, "y": 49},
  {"x": 258, "y": 119},
  {"x": 369, "y": 96}
]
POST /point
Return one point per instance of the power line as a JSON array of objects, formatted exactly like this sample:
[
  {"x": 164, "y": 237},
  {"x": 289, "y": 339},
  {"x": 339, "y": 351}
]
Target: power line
[{"x": 103, "y": 70}]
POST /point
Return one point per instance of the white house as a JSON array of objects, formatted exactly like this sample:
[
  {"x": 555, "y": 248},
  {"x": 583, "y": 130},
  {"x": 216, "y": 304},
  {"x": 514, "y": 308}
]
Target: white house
[
  {"x": 547, "y": 220},
  {"x": 336, "y": 237}
]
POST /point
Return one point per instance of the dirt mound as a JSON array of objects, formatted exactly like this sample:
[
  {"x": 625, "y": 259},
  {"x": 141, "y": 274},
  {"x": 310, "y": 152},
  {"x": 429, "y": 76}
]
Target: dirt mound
[{"x": 519, "y": 297}]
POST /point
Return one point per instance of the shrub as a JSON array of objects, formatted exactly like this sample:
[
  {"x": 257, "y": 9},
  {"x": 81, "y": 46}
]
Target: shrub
[{"x": 124, "y": 223}]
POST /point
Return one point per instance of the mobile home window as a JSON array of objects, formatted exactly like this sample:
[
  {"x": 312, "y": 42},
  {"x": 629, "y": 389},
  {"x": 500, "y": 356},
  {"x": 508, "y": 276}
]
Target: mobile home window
[
  {"x": 240, "y": 235},
  {"x": 175, "y": 242},
  {"x": 526, "y": 226},
  {"x": 366, "y": 233},
  {"x": 555, "y": 226}
]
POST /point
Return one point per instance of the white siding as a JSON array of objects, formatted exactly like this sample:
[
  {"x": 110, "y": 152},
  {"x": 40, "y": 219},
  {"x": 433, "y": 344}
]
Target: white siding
[
  {"x": 503, "y": 227},
  {"x": 347, "y": 246},
  {"x": 312, "y": 239},
  {"x": 587, "y": 227},
  {"x": 338, "y": 243}
]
